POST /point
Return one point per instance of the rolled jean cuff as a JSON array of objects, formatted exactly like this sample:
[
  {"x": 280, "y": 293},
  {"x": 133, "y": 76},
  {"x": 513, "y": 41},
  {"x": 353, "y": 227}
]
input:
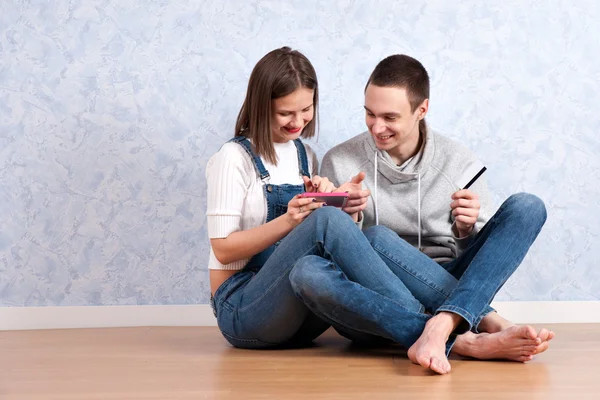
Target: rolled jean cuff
[
  {"x": 465, "y": 325},
  {"x": 488, "y": 310}
]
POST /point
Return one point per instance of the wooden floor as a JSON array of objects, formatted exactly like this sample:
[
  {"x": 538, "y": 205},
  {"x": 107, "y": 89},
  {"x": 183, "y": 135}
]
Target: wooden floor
[{"x": 197, "y": 363}]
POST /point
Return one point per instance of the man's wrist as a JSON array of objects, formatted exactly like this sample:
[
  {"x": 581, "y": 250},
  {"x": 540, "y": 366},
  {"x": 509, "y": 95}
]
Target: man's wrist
[
  {"x": 357, "y": 216},
  {"x": 464, "y": 233}
]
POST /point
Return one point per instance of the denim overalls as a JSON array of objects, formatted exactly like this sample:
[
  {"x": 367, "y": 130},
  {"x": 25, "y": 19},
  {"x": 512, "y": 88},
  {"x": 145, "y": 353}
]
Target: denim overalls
[{"x": 277, "y": 198}]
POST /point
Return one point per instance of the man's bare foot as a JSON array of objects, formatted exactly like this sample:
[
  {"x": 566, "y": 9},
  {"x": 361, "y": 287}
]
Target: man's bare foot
[
  {"x": 516, "y": 343},
  {"x": 429, "y": 350},
  {"x": 494, "y": 322}
]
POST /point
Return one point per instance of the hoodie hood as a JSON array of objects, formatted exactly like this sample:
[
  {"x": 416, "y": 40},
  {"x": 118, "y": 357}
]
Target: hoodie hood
[{"x": 418, "y": 165}]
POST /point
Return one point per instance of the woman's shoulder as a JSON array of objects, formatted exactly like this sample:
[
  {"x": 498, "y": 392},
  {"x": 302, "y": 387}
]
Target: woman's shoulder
[{"x": 231, "y": 154}]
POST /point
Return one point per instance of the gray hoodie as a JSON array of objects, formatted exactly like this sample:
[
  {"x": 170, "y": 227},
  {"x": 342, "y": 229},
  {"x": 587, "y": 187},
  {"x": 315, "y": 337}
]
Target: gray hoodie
[{"x": 413, "y": 199}]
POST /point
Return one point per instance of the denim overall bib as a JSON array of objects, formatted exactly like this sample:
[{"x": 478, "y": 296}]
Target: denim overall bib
[{"x": 277, "y": 198}]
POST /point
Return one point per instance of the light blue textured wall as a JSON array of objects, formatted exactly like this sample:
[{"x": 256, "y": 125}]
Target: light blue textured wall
[{"x": 110, "y": 109}]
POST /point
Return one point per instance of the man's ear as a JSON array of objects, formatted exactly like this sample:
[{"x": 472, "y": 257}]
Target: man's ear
[{"x": 423, "y": 108}]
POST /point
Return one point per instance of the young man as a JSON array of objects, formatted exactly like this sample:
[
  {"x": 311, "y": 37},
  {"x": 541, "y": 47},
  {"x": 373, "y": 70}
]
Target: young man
[{"x": 440, "y": 238}]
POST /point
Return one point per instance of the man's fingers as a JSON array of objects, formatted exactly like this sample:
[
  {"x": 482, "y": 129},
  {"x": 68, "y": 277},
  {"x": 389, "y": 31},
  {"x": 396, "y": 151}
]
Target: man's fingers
[
  {"x": 352, "y": 210},
  {"x": 464, "y": 194},
  {"x": 474, "y": 204},
  {"x": 469, "y": 212},
  {"x": 357, "y": 194},
  {"x": 356, "y": 202},
  {"x": 358, "y": 178},
  {"x": 460, "y": 203},
  {"x": 466, "y": 220}
]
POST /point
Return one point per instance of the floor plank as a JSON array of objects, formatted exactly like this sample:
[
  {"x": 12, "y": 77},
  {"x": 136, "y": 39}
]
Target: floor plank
[{"x": 197, "y": 363}]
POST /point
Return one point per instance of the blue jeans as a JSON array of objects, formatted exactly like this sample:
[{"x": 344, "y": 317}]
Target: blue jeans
[
  {"x": 464, "y": 286},
  {"x": 258, "y": 307}
]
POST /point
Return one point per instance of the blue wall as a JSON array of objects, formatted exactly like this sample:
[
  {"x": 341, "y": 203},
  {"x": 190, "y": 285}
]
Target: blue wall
[{"x": 110, "y": 109}]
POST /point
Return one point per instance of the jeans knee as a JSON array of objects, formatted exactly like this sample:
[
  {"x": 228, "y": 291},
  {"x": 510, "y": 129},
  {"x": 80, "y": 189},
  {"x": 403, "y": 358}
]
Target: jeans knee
[
  {"x": 332, "y": 217},
  {"x": 528, "y": 207},
  {"x": 381, "y": 237},
  {"x": 378, "y": 232},
  {"x": 302, "y": 275},
  {"x": 328, "y": 212},
  {"x": 308, "y": 280}
]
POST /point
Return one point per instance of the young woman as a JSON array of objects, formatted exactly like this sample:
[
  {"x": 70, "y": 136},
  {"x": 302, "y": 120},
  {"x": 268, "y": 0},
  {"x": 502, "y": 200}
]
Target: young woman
[{"x": 253, "y": 187}]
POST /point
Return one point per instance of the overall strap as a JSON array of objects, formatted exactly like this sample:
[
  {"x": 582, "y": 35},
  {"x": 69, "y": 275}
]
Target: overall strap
[
  {"x": 258, "y": 164},
  {"x": 302, "y": 159}
]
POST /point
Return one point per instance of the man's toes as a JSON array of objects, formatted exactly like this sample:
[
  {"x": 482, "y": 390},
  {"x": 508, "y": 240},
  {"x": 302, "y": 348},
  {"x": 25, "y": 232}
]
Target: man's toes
[
  {"x": 544, "y": 334},
  {"x": 525, "y": 358},
  {"x": 424, "y": 361},
  {"x": 435, "y": 366},
  {"x": 447, "y": 366},
  {"x": 542, "y": 348},
  {"x": 529, "y": 350},
  {"x": 528, "y": 332},
  {"x": 440, "y": 366}
]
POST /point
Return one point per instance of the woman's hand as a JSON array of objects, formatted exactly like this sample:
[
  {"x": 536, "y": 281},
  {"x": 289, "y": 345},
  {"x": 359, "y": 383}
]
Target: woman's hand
[
  {"x": 299, "y": 208},
  {"x": 318, "y": 184}
]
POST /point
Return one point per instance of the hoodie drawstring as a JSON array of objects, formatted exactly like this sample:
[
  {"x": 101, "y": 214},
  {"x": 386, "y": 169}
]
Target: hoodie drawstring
[
  {"x": 375, "y": 192},
  {"x": 419, "y": 209},
  {"x": 418, "y": 201}
]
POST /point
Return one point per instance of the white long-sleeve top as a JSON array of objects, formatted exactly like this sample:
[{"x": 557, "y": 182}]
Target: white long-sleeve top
[{"x": 235, "y": 197}]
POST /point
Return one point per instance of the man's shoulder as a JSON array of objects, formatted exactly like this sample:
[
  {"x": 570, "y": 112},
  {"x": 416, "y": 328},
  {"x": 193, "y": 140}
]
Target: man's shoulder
[
  {"x": 345, "y": 159},
  {"x": 447, "y": 148},
  {"x": 352, "y": 148},
  {"x": 453, "y": 159}
]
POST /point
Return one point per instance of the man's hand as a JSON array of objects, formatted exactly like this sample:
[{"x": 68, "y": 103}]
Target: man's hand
[
  {"x": 357, "y": 198},
  {"x": 465, "y": 209}
]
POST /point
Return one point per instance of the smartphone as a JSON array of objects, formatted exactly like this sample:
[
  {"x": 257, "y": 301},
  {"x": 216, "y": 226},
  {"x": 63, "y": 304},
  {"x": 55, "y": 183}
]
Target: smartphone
[{"x": 332, "y": 199}]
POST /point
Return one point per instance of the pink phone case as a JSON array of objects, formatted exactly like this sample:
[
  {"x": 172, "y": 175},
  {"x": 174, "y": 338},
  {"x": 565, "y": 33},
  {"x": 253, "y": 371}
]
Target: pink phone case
[{"x": 332, "y": 199}]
